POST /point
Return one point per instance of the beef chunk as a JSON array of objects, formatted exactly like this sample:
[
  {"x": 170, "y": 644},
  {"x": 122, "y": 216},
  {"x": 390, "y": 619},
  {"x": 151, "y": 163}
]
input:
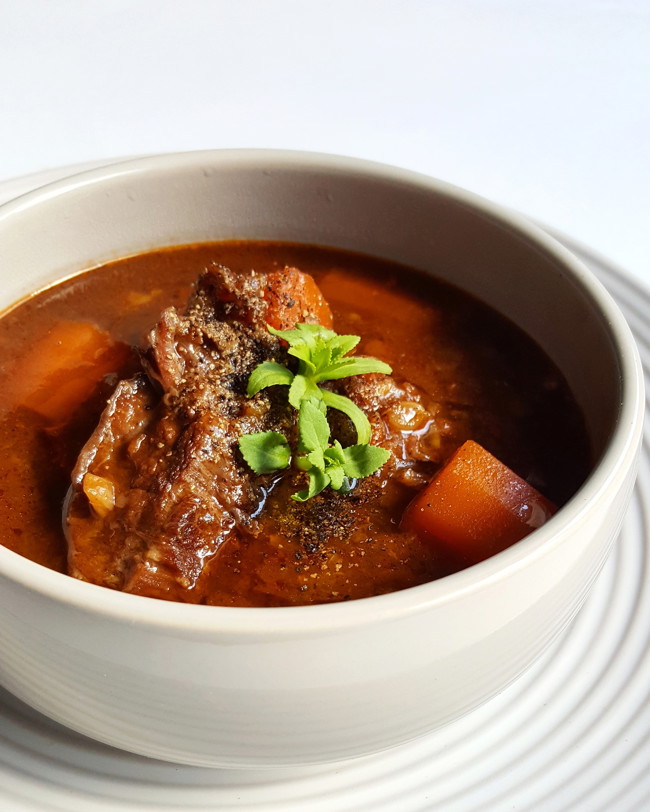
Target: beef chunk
[
  {"x": 160, "y": 486},
  {"x": 165, "y": 450},
  {"x": 419, "y": 430}
]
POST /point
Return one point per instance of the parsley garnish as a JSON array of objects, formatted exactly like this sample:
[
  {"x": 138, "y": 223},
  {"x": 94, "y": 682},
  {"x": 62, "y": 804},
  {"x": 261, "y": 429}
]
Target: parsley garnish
[{"x": 322, "y": 356}]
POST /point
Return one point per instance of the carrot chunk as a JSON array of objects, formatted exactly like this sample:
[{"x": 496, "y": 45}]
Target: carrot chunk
[
  {"x": 293, "y": 297},
  {"x": 476, "y": 506},
  {"x": 64, "y": 368}
]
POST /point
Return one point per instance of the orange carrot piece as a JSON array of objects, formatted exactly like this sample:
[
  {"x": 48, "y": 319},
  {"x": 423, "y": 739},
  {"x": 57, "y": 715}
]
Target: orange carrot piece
[
  {"x": 64, "y": 368},
  {"x": 476, "y": 506},
  {"x": 293, "y": 297}
]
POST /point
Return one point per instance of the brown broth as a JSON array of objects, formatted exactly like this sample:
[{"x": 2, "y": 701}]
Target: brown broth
[{"x": 513, "y": 401}]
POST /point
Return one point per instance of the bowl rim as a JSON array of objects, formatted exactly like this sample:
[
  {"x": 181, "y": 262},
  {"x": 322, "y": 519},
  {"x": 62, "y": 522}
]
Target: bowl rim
[{"x": 199, "y": 620}]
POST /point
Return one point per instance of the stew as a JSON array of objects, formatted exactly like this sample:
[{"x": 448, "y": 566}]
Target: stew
[{"x": 125, "y": 394}]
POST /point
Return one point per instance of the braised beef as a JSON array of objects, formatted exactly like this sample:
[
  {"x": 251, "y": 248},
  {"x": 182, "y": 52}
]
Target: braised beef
[{"x": 160, "y": 485}]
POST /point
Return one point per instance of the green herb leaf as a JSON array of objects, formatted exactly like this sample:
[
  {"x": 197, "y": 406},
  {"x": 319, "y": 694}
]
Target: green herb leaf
[
  {"x": 348, "y": 485},
  {"x": 318, "y": 481},
  {"x": 322, "y": 356},
  {"x": 308, "y": 343},
  {"x": 301, "y": 388},
  {"x": 313, "y": 426},
  {"x": 266, "y": 451},
  {"x": 297, "y": 390},
  {"x": 303, "y": 334},
  {"x": 354, "y": 365},
  {"x": 363, "y": 460},
  {"x": 335, "y": 453},
  {"x": 268, "y": 373},
  {"x": 358, "y": 418},
  {"x": 336, "y": 475},
  {"x": 342, "y": 345}
]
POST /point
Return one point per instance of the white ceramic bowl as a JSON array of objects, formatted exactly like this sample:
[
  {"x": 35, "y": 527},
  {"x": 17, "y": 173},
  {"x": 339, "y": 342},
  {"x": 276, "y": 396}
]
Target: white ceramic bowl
[{"x": 253, "y": 687}]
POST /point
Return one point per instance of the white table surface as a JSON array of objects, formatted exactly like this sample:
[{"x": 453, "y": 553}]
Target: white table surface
[{"x": 543, "y": 106}]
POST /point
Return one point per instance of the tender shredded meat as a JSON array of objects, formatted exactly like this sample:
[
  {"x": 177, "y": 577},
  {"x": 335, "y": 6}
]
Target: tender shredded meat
[{"x": 160, "y": 485}]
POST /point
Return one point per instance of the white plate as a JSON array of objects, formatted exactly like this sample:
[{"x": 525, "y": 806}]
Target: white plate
[{"x": 572, "y": 734}]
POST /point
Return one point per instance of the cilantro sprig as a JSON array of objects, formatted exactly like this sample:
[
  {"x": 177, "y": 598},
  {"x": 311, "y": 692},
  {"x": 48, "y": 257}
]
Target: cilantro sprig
[{"x": 322, "y": 355}]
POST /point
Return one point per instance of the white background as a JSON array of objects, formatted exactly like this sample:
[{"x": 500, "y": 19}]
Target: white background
[{"x": 543, "y": 106}]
